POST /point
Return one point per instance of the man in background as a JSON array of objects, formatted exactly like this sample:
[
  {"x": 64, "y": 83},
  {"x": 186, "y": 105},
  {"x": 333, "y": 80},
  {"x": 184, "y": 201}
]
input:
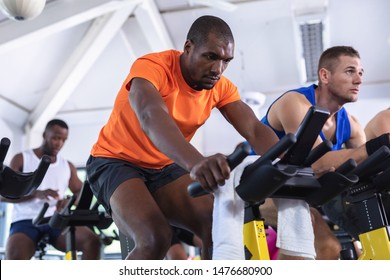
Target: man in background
[{"x": 61, "y": 175}]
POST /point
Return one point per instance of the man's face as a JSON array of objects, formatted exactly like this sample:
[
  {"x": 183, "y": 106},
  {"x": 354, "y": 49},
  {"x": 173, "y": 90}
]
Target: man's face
[
  {"x": 54, "y": 140},
  {"x": 205, "y": 63},
  {"x": 345, "y": 79}
]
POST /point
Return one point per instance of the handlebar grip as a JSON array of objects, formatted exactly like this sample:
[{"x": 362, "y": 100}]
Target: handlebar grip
[
  {"x": 318, "y": 152},
  {"x": 4, "y": 146},
  {"x": 347, "y": 167},
  {"x": 370, "y": 165},
  {"x": 276, "y": 150},
  {"x": 241, "y": 151},
  {"x": 38, "y": 218},
  {"x": 195, "y": 189},
  {"x": 239, "y": 154},
  {"x": 68, "y": 205}
]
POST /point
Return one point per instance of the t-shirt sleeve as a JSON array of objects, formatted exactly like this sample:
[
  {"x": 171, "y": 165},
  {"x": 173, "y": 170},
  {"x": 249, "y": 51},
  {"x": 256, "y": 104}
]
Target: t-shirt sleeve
[
  {"x": 228, "y": 93},
  {"x": 148, "y": 70}
]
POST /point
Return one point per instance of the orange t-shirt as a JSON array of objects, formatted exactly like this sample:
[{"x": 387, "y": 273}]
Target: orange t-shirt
[{"x": 123, "y": 138}]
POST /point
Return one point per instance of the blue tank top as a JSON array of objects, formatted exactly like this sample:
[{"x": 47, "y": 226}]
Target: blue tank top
[{"x": 343, "y": 126}]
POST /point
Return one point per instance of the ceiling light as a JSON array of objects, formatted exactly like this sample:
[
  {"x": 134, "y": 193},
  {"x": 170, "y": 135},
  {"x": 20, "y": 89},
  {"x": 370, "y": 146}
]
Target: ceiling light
[
  {"x": 22, "y": 9},
  {"x": 218, "y": 4}
]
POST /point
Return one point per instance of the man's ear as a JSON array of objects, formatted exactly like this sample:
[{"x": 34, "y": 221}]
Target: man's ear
[
  {"x": 188, "y": 45},
  {"x": 323, "y": 75}
]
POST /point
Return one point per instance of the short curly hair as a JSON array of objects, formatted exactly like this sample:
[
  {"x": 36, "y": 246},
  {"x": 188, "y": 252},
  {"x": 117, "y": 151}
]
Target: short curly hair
[{"x": 204, "y": 25}]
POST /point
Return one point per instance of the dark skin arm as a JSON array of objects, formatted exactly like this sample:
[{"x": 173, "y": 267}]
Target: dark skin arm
[
  {"x": 241, "y": 116},
  {"x": 158, "y": 125},
  {"x": 75, "y": 185},
  {"x": 166, "y": 136}
]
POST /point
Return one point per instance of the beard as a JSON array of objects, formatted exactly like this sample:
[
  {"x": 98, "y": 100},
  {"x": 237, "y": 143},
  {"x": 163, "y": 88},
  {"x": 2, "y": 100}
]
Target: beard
[
  {"x": 199, "y": 85},
  {"x": 343, "y": 96}
]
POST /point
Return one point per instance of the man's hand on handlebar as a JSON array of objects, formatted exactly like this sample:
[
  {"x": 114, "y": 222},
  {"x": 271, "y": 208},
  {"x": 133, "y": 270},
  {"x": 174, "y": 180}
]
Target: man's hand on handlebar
[
  {"x": 46, "y": 194},
  {"x": 61, "y": 204},
  {"x": 211, "y": 172},
  {"x": 321, "y": 171}
]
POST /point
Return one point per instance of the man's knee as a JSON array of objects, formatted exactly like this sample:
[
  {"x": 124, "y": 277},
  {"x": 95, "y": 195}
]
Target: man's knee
[{"x": 269, "y": 212}]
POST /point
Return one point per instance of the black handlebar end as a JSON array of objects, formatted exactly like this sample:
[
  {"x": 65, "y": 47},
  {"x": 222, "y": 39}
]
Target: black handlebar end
[
  {"x": 241, "y": 151},
  {"x": 195, "y": 189}
]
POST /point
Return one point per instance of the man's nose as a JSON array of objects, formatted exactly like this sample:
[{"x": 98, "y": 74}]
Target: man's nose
[
  {"x": 218, "y": 67},
  {"x": 358, "y": 79}
]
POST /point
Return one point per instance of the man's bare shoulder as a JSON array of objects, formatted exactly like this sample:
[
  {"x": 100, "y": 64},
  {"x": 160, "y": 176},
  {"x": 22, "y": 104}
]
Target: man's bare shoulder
[{"x": 17, "y": 162}]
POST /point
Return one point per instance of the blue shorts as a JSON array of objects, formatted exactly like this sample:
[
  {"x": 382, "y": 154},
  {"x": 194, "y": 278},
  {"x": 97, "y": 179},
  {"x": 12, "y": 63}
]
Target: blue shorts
[
  {"x": 35, "y": 233},
  {"x": 106, "y": 174}
]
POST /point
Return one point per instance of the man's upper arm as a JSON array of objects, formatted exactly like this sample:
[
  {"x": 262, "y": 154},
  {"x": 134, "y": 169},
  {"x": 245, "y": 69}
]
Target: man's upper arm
[
  {"x": 378, "y": 125},
  {"x": 358, "y": 136},
  {"x": 288, "y": 112},
  {"x": 75, "y": 183},
  {"x": 244, "y": 120}
]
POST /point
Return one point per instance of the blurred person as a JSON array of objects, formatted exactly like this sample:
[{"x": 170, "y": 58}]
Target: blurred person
[{"x": 61, "y": 175}]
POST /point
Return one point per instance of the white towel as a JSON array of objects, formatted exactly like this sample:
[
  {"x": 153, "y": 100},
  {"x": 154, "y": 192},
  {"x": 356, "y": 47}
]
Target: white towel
[
  {"x": 228, "y": 218},
  {"x": 295, "y": 236},
  {"x": 295, "y": 231}
]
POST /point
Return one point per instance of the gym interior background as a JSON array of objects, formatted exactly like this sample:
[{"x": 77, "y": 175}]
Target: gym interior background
[{"x": 69, "y": 61}]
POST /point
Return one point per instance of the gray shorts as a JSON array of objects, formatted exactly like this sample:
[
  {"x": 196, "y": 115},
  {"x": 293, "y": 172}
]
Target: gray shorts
[{"x": 106, "y": 174}]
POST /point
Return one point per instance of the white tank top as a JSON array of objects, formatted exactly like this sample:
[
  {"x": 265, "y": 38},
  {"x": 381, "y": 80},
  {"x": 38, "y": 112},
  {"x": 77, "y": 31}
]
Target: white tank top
[{"x": 57, "y": 178}]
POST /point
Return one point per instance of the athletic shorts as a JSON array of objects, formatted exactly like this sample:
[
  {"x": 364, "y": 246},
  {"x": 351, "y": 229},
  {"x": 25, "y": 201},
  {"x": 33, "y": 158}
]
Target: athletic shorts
[
  {"x": 106, "y": 174},
  {"x": 35, "y": 233}
]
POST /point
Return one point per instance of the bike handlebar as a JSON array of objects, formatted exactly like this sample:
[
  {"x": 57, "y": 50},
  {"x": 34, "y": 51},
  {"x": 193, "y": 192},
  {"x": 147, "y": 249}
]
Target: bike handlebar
[
  {"x": 41, "y": 213},
  {"x": 373, "y": 163},
  {"x": 318, "y": 152},
  {"x": 242, "y": 151},
  {"x": 276, "y": 150},
  {"x": 4, "y": 146},
  {"x": 41, "y": 170},
  {"x": 347, "y": 167}
]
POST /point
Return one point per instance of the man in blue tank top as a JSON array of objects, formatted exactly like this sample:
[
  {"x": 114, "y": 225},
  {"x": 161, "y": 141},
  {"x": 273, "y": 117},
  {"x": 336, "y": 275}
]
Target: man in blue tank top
[{"x": 339, "y": 78}]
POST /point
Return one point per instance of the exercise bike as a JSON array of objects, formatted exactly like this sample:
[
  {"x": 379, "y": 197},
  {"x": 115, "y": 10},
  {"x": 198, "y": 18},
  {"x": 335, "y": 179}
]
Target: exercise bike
[
  {"x": 290, "y": 177},
  {"x": 365, "y": 201},
  {"x": 82, "y": 215}
]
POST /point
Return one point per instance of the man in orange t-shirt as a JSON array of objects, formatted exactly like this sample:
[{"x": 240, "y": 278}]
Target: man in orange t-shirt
[{"x": 142, "y": 161}]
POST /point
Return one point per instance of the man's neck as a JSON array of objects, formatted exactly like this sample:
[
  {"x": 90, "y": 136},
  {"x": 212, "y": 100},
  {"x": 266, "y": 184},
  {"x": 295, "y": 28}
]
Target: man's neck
[{"x": 324, "y": 100}]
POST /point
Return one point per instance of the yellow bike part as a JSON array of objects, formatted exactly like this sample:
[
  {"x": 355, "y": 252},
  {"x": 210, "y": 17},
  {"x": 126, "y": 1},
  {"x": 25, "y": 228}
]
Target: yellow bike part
[
  {"x": 375, "y": 244},
  {"x": 255, "y": 241}
]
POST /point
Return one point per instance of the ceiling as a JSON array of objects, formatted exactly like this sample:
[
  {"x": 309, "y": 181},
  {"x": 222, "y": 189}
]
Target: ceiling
[{"x": 71, "y": 60}]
